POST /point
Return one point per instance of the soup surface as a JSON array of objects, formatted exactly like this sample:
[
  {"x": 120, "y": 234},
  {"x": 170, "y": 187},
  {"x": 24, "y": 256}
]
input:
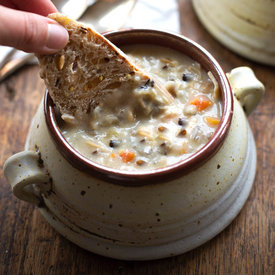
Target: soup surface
[{"x": 131, "y": 130}]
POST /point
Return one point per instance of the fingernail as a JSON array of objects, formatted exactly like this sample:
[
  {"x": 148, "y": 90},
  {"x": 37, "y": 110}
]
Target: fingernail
[{"x": 57, "y": 37}]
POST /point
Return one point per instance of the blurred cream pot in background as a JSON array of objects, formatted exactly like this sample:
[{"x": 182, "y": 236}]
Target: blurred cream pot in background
[
  {"x": 247, "y": 27},
  {"x": 152, "y": 213}
]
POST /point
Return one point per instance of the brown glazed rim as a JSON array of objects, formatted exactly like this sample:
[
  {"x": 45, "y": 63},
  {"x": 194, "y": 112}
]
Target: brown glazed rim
[{"x": 132, "y": 178}]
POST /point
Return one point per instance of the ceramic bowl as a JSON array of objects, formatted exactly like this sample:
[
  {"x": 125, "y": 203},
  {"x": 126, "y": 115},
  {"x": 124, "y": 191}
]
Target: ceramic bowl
[
  {"x": 151, "y": 214},
  {"x": 247, "y": 27}
]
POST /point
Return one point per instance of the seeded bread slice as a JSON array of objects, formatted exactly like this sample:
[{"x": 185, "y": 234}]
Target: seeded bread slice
[{"x": 90, "y": 66}]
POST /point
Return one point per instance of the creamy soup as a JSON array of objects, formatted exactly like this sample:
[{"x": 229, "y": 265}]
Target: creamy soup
[{"x": 130, "y": 130}]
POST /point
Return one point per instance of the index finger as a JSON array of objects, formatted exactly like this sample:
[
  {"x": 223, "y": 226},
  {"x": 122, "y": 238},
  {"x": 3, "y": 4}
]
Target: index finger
[{"x": 42, "y": 7}]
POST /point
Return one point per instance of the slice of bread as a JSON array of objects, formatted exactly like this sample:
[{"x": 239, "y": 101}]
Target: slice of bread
[{"x": 90, "y": 66}]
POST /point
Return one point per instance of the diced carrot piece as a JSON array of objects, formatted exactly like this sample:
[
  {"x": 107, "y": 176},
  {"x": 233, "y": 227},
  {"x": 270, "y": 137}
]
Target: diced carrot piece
[
  {"x": 184, "y": 148},
  {"x": 113, "y": 155},
  {"x": 127, "y": 156},
  {"x": 212, "y": 121},
  {"x": 201, "y": 102}
]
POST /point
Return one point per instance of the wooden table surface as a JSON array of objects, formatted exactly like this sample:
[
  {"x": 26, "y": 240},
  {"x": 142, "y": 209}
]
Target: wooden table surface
[{"x": 28, "y": 244}]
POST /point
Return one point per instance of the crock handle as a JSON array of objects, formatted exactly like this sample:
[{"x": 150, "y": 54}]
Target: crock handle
[
  {"x": 22, "y": 170},
  {"x": 246, "y": 87}
]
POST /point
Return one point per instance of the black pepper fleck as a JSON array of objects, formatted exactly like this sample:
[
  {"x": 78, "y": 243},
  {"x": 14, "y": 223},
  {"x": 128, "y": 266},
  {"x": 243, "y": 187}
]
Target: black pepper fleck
[
  {"x": 114, "y": 143},
  {"x": 181, "y": 121},
  {"x": 148, "y": 83},
  {"x": 187, "y": 77},
  {"x": 145, "y": 86},
  {"x": 83, "y": 30},
  {"x": 218, "y": 166},
  {"x": 82, "y": 193}
]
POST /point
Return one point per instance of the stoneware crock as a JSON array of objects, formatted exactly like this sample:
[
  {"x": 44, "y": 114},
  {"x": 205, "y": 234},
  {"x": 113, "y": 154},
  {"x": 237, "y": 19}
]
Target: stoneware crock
[
  {"x": 147, "y": 215},
  {"x": 247, "y": 27}
]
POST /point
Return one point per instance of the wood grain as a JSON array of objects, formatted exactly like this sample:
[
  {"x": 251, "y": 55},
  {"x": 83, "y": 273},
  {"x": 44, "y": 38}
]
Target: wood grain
[{"x": 28, "y": 245}]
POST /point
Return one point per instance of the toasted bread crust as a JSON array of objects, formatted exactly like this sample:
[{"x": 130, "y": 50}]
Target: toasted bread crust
[{"x": 90, "y": 66}]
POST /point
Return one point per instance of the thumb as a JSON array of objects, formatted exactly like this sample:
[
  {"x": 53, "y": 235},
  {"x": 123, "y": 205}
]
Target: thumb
[{"x": 31, "y": 32}]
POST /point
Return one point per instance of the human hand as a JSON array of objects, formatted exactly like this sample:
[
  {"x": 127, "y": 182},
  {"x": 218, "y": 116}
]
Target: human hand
[{"x": 24, "y": 25}]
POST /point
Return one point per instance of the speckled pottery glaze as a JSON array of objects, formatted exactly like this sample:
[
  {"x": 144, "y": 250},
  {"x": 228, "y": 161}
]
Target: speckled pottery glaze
[
  {"x": 147, "y": 215},
  {"x": 247, "y": 27}
]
